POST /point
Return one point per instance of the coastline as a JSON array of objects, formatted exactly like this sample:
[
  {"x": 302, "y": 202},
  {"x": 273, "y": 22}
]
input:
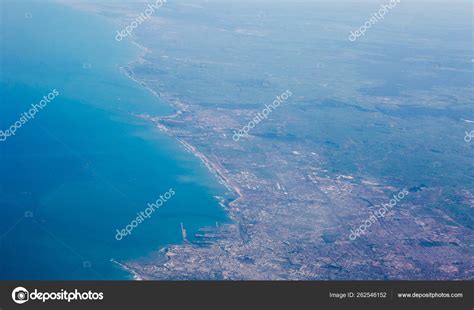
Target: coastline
[
  {"x": 135, "y": 275},
  {"x": 214, "y": 168},
  {"x": 210, "y": 165},
  {"x": 180, "y": 108}
]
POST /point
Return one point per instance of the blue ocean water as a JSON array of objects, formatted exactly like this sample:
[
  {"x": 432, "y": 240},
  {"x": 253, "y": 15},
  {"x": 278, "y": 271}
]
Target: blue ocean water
[{"x": 84, "y": 166}]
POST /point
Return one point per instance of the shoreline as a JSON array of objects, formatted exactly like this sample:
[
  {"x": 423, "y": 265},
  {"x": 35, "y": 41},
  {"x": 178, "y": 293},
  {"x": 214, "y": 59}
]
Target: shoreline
[
  {"x": 210, "y": 165},
  {"x": 135, "y": 275}
]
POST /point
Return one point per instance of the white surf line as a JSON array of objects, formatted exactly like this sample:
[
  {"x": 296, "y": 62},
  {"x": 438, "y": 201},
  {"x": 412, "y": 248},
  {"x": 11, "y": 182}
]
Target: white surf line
[{"x": 136, "y": 277}]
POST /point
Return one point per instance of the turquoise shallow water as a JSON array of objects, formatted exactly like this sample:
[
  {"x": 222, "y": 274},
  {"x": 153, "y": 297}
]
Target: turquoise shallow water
[{"x": 85, "y": 166}]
